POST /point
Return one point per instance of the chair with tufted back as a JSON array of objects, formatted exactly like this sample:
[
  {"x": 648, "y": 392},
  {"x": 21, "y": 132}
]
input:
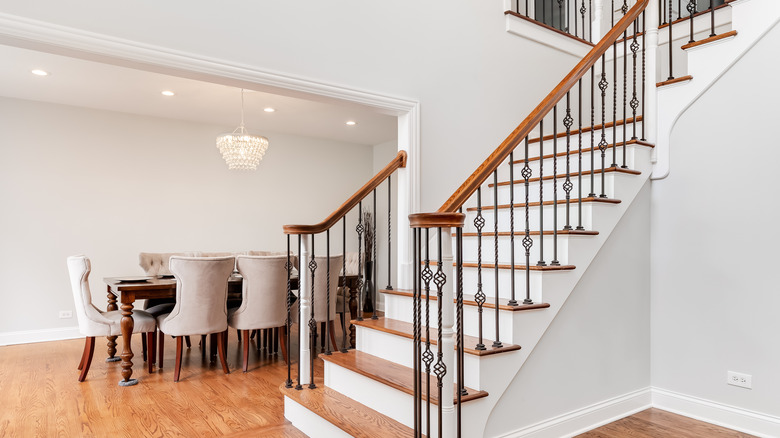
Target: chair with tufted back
[
  {"x": 201, "y": 303},
  {"x": 92, "y": 321}
]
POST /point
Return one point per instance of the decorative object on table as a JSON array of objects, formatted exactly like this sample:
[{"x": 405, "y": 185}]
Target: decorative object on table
[
  {"x": 368, "y": 256},
  {"x": 240, "y": 149}
]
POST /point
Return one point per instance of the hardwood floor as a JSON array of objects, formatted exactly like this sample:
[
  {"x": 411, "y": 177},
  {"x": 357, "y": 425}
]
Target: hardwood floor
[{"x": 655, "y": 423}]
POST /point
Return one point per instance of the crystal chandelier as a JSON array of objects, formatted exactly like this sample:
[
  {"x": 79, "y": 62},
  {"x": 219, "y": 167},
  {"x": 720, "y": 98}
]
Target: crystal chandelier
[{"x": 240, "y": 149}]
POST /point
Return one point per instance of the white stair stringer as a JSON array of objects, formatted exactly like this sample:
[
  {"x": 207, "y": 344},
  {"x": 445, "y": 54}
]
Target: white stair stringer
[{"x": 752, "y": 19}]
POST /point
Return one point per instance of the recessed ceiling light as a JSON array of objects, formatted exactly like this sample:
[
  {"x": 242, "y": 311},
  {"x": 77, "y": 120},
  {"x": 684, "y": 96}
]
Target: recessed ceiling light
[
  {"x": 40, "y": 72},
  {"x": 269, "y": 110},
  {"x": 168, "y": 93},
  {"x": 351, "y": 123}
]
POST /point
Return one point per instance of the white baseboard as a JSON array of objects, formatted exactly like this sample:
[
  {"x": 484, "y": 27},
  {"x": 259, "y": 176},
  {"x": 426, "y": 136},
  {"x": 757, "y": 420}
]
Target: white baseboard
[
  {"x": 44, "y": 335},
  {"x": 743, "y": 420},
  {"x": 587, "y": 418}
]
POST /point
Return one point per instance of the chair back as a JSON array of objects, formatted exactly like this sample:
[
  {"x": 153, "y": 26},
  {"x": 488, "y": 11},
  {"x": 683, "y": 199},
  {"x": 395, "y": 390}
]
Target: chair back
[
  {"x": 321, "y": 286},
  {"x": 89, "y": 317},
  {"x": 156, "y": 263},
  {"x": 201, "y": 295},
  {"x": 264, "y": 294}
]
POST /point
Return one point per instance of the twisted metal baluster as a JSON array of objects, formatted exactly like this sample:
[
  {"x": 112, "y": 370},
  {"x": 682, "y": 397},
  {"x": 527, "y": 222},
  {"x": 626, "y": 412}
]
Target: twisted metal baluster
[
  {"x": 359, "y": 228},
  {"x": 541, "y": 261},
  {"x": 344, "y": 282},
  {"x": 312, "y": 321},
  {"x": 527, "y": 241},
  {"x": 440, "y": 369},
  {"x": 461, "y": 391},
  {"x": 554, "y": 261},
  {"x": 288, "y": 266},
  {"x": 480, "y": 297},
  {"x": 603, "y": 85},
  {"x": 579, "y": 160},
  {"x": 567, "y": 184},
  {"x": 300, "y": 296},
  {"x": 512, "y": 300},
  {"x": 427, "y": 357},
  {"x": 376, "y": 266},
  {"x": 389, "y": 233},
  {"x": 327, "y": 293},
  {"x": 644, "y": 33},
  {"x": 592, "y": 193},
  {"x": 634, "y": 101},
  {"x": 497, "y": 342}
]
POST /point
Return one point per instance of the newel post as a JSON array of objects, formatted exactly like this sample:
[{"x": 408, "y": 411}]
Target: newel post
[
  {"x": 650, "y": 121},
  {"x": 446, "y": 297},
  {"x": 304, "y": 286}
]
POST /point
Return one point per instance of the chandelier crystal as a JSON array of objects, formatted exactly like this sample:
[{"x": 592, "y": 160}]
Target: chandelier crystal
[{"x": 240, "y": 149}]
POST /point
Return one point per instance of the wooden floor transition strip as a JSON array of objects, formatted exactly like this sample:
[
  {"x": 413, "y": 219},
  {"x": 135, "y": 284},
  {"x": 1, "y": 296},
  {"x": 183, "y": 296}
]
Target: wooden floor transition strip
[
  {"x": 391, "y": 374},
  {"x": 401, "y": 328}
]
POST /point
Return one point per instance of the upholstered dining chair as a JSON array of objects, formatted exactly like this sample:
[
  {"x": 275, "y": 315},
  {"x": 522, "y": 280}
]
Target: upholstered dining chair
[
  {"x": 201, "y": 304},
  {"x": 264, "y": 295},
  {"x": 94, "y": 322},
  {"x": 322, "y": 314}
]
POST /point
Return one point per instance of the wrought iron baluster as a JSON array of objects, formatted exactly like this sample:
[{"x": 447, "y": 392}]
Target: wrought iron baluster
[
  {"x": 427, "y": 358},
  {"x": 416, "y": 331},
  {"x": 692, "y": 10},
  {"x": 312, "y": 321},
  {"x": 512, "y": 300},
  {"x": 541, "y": 261},
  {"x": 389, "y": 232},
  {"x": 527, "y": 241},
  {"x": 679, "y": 9},
  {"x": 560, "y": 15},
  {"x": 644, "y": 82},
  {"x": 624, "y": 9},
  {"x": 592, "y": 193},
  {"x": 300, "y": 296},
  {"x": 459, "y": 328},
  {"x": 590, "y": 20},
  {"x": 440, "y": 368},
  {"x": 582, "y": 13},
  {"x": 554, "y": 261},
  {"x": 480, "y": 297},
  {"x": 712, "y": 18},
  {"x": 567, "y": 184},
  {"x": 359, "y": 228},
  {"x": 671, "y": 75},
  {"x": 344, "y": 283},
  {"x": 376, "y": 265},
  {"x": 614, "y": 97},
  {"x": 603, "y": 85},
  {"x": 288, "y": 266},
  {"x": 634, "y": 101},
  {"x": 661, "y": 12},
  {"x": 497, "y": 342},
  {"x": 579, "y": 159}
]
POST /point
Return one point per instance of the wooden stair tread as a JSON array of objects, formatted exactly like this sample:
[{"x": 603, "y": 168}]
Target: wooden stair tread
[
  {"x": 391, "y": 374},
  {"x": 571, "y": 175},
  {"x": 405, "y": 329},
  {"x": 521, "y": 233},
  {"x": 674, "y": 81},
  {"x": 712, "y": 39},
  {"x": 352, "y": 417},
  {"x": 468, "y": 300},
  {"x": 520, "y": 267},
  {"x": 560, "y": 201},
  {"x": 587, "y": 129},
  {"x": 585, "y": 150}
]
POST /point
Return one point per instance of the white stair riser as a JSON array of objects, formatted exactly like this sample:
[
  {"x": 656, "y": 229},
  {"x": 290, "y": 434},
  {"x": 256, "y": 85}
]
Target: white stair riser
[
  {"x": 533, "y": 217},
  {"x": 547, "y": 191},
  {"x": 400, "y": 308},
  {"x": 399, "y": 349},
  {"x": 471, "y": 243},
  {"x": 310, "y": 423}
]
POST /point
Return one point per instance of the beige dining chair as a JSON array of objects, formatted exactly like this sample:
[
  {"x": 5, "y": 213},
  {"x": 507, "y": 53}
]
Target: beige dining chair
[
  {"x": 92, "y": 321},
  {"x": 201, "y": 304},
  {"x": 322, "y": 314},
  {"x": 263, "y": 304}
]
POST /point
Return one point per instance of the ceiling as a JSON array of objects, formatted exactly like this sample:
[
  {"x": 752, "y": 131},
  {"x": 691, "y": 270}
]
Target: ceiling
[{"x": 89, "y": 84}]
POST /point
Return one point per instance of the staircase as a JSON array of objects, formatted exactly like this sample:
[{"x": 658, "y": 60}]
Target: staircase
[{"x": 373, "y": 391}]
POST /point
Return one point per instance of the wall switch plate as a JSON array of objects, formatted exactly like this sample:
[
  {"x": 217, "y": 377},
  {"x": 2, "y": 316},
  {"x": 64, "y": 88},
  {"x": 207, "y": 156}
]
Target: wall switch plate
[
  {"x": 739, "y": 379},
  {"x": 65, "y": 314}
]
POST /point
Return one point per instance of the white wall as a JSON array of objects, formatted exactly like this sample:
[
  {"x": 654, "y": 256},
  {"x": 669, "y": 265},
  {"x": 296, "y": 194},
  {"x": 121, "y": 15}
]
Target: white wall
[
  {"x": 714, "y": 245},
  {"x": 475, "y": 82},
  {"x": 598, "y": 347},
  {"x": 110, "y": 185}
]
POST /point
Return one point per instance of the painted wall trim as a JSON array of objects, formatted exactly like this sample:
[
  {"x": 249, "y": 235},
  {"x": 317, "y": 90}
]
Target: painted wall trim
[
  {"x": 43, "y": 335},
  {"x": 587, "y": 418},
  {"x": 732, "y": 417}
]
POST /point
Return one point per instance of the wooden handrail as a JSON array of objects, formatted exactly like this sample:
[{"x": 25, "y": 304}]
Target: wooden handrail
[
  {"x": 476, "y": 179},
  {"x": 398, "y": 162}
]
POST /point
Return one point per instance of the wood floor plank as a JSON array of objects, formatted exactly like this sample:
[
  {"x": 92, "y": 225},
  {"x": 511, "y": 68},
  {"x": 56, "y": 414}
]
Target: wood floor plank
[{"x": 656, "y": 423}]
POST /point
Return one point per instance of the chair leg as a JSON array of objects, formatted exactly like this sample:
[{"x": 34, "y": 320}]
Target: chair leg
[
  {"x": 245, "y": 348},
  {"x": 213, "y": 346},
  {"x": 143, "y": 347},
  {"x": 187, "y": 341},
  {"x": 225, "y": 341},
  {"x": 331, "y": 325},
  {"x": 160, "y": 348},
  {"x": 149, "y": 337},
  {"x": 252, "y": 336},
  {"x": 275, "y": 337},
  {"x": 153, "y": 347},
  {"x": 89, "y": 349},
  {"x": 221, "y": 350},
  {"x": 238, "y": 333},
  {"x": 283, "y": 342},
  {"x": 177, "y": 366},
  {"x": 83, "y": 355},
  {"x": 322, "y": 339}
]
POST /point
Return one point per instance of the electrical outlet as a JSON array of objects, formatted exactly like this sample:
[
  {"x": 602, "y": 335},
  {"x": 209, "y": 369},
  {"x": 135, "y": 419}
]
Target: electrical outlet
[
  {"x": 739, "y": 379},
  {"x": 65, "y": 314}
]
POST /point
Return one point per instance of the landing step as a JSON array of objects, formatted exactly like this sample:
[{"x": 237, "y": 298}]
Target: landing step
[
  {"x": 711, "y": 39},
  {"x": 354, "y": 418},
  {"x": 390, "y": 373},
  {"x": 575, "y": 151},
  {"x": 587, "y": 129},
  {"x": 674, "y": 81},
  {"x": 560, "y": 201},
  {"x": 571, "y": 175},
  {"x": 404, "y": 329},
  {"x": 521, "y": 233},
  {"x": 468, "y": 300}
]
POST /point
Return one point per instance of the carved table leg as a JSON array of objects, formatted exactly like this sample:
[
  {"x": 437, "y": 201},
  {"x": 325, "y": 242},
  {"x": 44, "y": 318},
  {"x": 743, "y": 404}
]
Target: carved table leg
[
  {"x": 127, "y": 332},
  {"x": 353, "y": 311},
  {"x": 111, "y": 339}
]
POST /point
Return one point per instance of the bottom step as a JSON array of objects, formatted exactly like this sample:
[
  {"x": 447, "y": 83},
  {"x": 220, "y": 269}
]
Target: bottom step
[{"x": 323, "y": 412}]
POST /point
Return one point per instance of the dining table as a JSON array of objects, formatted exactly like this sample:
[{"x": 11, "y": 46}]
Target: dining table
[{"x": 126, "y": 290}]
